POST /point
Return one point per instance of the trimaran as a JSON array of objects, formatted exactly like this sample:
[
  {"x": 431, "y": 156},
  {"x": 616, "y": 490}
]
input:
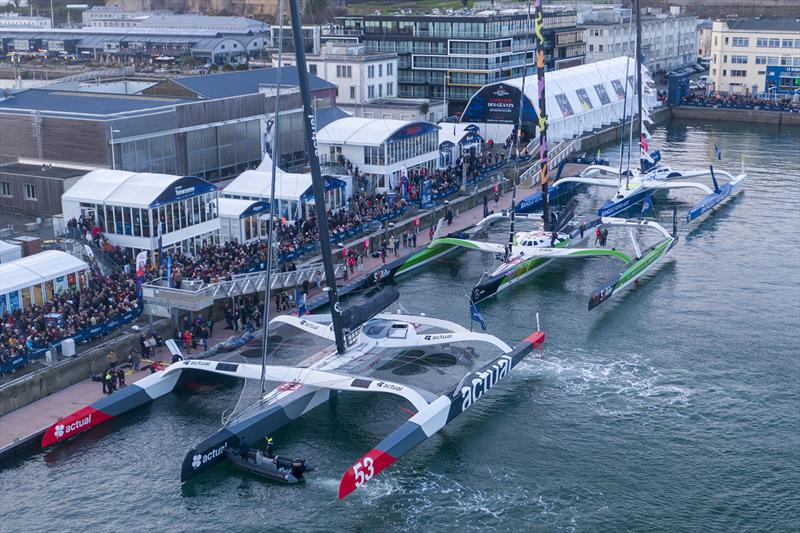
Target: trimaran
[
  {"x": 634, "y": 185},
  {"x": 559, "y": 236},
  {"x": 438, "y": 366}
]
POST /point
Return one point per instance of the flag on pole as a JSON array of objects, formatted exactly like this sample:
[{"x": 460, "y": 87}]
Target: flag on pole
[
  {"x": 643, "y": 142},
  {"x": 718, "y": 152},
  {"x": 647, "y": 204},
  {"x": 475, "y": 315}
]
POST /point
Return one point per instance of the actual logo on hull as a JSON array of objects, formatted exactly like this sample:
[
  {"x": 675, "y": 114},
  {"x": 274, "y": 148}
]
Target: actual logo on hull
[
  {"x": 63, "y": 430},
  {"x": 200, "y": 459},
  {"x": 482, "y": 381}
]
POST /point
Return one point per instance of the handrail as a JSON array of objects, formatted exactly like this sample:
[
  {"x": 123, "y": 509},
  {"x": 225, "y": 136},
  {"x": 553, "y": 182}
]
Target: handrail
[{"x": 560, "y": 151}]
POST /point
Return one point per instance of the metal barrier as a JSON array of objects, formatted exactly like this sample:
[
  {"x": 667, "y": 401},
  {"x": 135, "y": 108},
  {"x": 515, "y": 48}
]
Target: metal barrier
[
  {"x": 197, "y": 295},
  {"x": 559, "y": 152}
]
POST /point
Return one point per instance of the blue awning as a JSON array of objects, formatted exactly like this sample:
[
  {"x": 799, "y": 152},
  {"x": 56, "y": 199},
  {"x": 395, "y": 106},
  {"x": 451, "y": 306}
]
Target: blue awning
[{"x": 330, "y": 183}]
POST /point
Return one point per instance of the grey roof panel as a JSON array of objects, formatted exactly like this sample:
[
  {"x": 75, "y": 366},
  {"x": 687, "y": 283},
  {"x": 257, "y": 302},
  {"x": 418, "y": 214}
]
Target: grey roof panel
[
  {"x": 98, "y": 104},
  {"x": 766, "y": 24},
  {"x": 242, "y": 82}
]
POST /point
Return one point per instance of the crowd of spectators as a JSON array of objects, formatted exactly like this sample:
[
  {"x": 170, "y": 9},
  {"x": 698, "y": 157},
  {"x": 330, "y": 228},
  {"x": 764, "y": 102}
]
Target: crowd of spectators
[
  {"x": 785, "y": 103},
  {"x": 104, "y": 298}
]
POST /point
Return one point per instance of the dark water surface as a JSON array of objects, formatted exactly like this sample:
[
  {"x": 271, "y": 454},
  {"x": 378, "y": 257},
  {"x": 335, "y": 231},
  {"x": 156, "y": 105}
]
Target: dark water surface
[{"x": 673, "y": 407}]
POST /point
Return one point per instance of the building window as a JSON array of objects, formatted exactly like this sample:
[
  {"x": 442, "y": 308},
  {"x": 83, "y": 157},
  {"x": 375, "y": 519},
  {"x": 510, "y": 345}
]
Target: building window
[
  {"x": 390, "y": 66},
  {"x": 380, "y": 70},
  {"x": 741, "y": 41},
  {"x": 739, "y": 60},
  {"x": 371, "y": 91},
  {"x": 725, "y": 59},
  {"x": 772, "y": 60},
  {"x": 5, "y": 189},
  {"x": 591, "y": 48},
  {"x": 371, "y": 71},
  {"x": 30, "y": 192},
  {"x": 600, "y": 49},
  {"x": 380, "y": 90},
  {"x": 761, "y": 60},
  {"x": 787, "y": 43},
  {"x": 762, "y": 43},
  {"x": 353, "y": 92},
  {"x": 774, "y": 43},
  {"x": 312, "y": 69},
  {"x": 389, "y": 89},
  {"x": 738, "y": 73}
]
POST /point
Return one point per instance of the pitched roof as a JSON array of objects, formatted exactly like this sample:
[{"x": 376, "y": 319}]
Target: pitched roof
[{"x": 242, "y": 82}]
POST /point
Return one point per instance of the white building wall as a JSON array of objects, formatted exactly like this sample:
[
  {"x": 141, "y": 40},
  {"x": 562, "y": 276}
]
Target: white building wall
[
  {"x": 352, "y": 77},
  {"x": 667, "y": 42},
  {"x": 739, "y": 64}
]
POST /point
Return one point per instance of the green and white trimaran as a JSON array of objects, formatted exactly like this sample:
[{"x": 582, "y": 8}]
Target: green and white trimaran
[{"x": 532, "y": 250}]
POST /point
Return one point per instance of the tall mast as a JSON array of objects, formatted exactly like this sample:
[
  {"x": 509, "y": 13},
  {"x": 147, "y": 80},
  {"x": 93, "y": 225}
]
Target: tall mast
[
  {"x": 639, "y": 75},
  {"x": 539, "y": 21},
  {"x": 519, "y": 135},
  {"x": 275, "y": 152},
  {"x": 316, "y": 176}
]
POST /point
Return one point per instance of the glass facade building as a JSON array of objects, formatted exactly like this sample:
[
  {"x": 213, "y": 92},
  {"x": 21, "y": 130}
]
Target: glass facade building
[{"x": 465, "y": 52}]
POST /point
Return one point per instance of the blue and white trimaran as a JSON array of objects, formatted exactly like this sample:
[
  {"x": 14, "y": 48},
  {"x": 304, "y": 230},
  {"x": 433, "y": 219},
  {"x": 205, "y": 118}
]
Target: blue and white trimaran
[
  {"x": 438, "y": 367},
  {"x": 559, "y": 236},
  {"x": 635, "y": 185}
]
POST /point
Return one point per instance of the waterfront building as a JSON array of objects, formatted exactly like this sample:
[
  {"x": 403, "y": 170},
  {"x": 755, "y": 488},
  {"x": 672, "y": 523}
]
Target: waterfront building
[
  {"x": 382, "y": 149},
  {"x": 35, "y": 189},
  {"x": 669, "y": 40},
  {"x": 450, "y": 56},
  {"x": 96, "y": 15},
  {"x": 366, "y": 83},
  {"x": 129, "y": 206},
  {"x": 756, "y": 55},
  {"x": 35, "y": 279},
  {"x": 213, "y": 126},
  {"x": 14, "y": 20},
  {"x": 126, "y": 45}
]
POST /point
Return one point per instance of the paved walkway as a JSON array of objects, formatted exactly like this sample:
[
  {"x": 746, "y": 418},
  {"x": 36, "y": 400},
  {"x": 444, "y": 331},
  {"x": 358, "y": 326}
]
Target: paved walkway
[{"x": 39, "y": 415}]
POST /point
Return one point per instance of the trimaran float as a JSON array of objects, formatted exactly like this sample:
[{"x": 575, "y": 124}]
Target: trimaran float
[
  {"x": 438, "y": 366},
  {"x": 634, "y": 185}
]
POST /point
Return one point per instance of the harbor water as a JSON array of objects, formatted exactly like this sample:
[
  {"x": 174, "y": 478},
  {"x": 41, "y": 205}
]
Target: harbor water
[{"x": 674, "y": 406}]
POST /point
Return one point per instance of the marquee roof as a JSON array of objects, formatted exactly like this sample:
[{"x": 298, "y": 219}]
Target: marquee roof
[
  {"x": 359, "y": 131},
  {"x": 133, "y": 189},
  {"x": 37, "y": 268}
]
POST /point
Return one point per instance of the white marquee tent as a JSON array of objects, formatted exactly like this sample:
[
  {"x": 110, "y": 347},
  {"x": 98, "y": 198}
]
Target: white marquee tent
[{"x": 579, "y": 99}]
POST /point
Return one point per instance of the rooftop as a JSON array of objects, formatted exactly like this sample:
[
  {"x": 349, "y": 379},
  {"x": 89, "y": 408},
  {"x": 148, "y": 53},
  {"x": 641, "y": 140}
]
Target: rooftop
[
  {"x": 83, "y": 103},
  {"x": 40, "y": 171},
  {"x": 782, "y": 24},
  {"x": 241, "y": 82}
]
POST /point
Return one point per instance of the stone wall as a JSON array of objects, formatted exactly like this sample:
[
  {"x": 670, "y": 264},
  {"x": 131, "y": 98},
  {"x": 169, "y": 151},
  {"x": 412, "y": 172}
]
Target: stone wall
[{"x": 753, "y": 116}]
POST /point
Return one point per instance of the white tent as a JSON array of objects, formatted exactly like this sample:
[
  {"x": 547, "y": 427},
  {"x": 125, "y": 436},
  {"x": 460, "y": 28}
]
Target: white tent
[
  {"x": 579, "y": 99},
  {"x": 38, "y": 268}
]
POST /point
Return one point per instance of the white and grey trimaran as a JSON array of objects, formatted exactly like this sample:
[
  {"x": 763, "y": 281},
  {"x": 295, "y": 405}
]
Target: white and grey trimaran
[
  {"x": 634, "y": 185},
  {"x": 438, "y": 366}
]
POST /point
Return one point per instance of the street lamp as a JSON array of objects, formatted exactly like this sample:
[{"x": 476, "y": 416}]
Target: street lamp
[{"x": 112, "y": 131}]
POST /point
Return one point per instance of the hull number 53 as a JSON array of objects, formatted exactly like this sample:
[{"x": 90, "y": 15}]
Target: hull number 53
[{"x": 363, "y": 470}]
